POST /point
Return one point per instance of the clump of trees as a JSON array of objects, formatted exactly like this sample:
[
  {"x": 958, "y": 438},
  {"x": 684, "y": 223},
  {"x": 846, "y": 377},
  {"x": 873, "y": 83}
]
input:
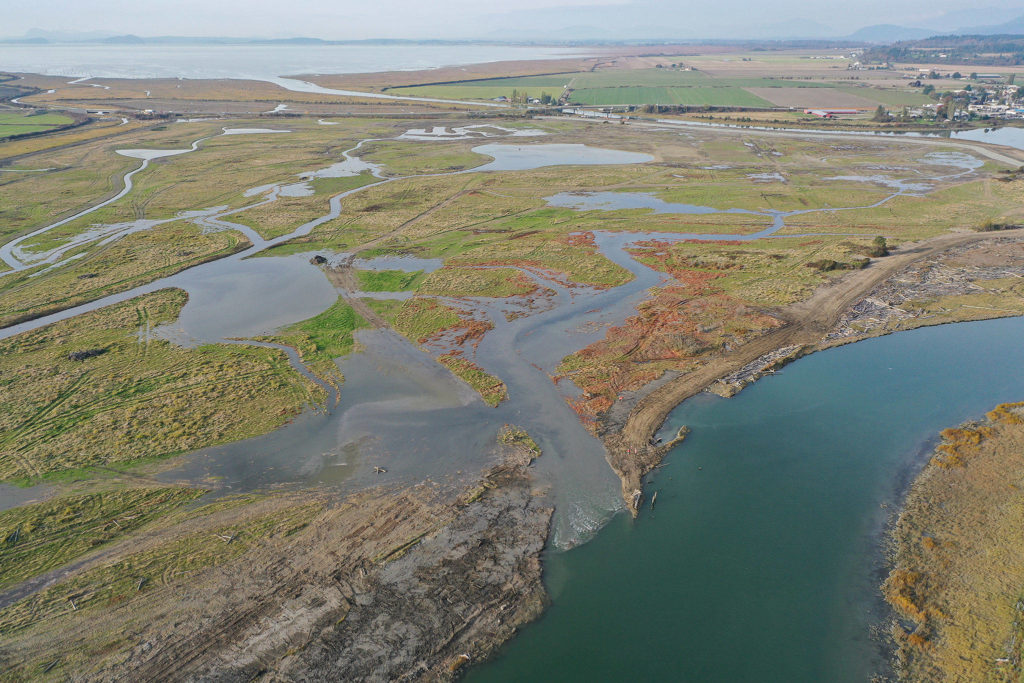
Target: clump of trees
[
  {"x": 991, "y": 226},
  {"x": 878, "y": 247},
  {"x": 524, "y": 98}
]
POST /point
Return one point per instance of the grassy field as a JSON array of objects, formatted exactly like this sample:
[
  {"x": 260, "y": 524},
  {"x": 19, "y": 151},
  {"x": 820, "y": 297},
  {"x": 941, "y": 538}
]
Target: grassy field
[
  {"x": 401, "y": 158},
  {"x": 98, "y": 130},
  {"x": 288, "y": 213},
  {"x": 668, "y": 86},
  {"x": 137, "y": 397},
  {"x": 915, "y": 217},
  {"x": 42, "y": 536},
  {"x": 490, "y": 282},
  {"x": 389, "y": 280}
]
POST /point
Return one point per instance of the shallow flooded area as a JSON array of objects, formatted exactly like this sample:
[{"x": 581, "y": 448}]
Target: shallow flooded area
[{"x": 401, "y": 411}]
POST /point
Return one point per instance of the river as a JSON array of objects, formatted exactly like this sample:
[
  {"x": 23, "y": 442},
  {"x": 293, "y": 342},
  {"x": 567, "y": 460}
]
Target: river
[{"x": 761, "y": 560}]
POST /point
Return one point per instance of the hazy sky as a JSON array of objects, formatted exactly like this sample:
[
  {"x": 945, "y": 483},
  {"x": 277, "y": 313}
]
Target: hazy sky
[{"x": 350, "y": 19}]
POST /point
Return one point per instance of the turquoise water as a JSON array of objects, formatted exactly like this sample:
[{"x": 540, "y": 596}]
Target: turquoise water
[{"x": 761, "y": 559}]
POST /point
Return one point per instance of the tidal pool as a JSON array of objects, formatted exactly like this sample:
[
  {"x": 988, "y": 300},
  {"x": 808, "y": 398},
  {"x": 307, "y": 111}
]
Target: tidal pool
[{"x": 762, "y": 557}]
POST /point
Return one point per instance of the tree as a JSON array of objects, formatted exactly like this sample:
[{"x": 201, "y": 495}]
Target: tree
[
  {"x": 928, "y": 89},
  {"x": 879, "y": 247},
  {"x": 956, "y": 74},
  {"x": 881, "y": 114}
]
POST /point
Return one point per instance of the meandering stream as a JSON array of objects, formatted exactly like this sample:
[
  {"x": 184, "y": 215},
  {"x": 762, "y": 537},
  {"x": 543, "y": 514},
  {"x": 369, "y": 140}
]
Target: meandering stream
[{"x": 399, "y": 409}]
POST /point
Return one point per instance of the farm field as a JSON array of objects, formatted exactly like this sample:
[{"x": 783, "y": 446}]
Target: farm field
[{"x": 673, "y": 86}]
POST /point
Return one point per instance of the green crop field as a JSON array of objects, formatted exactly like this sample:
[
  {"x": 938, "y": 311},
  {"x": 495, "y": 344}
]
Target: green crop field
[
  {"x": 609, "y": 79},
  {"x": 17, "y": 123}
]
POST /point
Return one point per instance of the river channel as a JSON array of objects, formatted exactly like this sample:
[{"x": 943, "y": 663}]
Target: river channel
[{"x": 761, "y": 560}]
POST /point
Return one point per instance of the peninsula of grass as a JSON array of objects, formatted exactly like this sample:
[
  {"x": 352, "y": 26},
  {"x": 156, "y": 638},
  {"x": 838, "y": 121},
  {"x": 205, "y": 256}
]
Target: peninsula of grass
[
  {"x": 491, "y": 389},
  {"x": 513, "y": 435},
  {"x": 324, "y": 337},
  {"x": 19, "y": 123},
  {"x": 419, "y": 319},
  {"x": 100, "y": 389}
]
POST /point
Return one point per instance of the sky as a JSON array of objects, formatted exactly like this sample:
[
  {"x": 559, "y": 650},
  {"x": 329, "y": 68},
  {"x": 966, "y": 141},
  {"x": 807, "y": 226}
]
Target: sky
[{"x": 493, "y": 19}]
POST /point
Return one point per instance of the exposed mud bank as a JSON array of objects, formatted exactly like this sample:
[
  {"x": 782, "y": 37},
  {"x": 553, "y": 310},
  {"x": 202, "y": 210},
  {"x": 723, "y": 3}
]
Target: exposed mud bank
[{"x": 386, "y": 585}]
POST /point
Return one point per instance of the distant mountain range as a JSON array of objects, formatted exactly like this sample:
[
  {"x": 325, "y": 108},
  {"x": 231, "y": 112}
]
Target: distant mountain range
[
  {"x": 889, "y": 33},
  {"x": 597, "y": 24}
]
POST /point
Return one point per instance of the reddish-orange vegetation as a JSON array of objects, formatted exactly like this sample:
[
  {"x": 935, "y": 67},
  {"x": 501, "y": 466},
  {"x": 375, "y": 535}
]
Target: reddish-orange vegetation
[
  {"x": 672, "y": 331},
  {"x": 960, "y": 443},
  {"x": 901, "y": 589},
  {"x": 681, "y": 265},
  {"x": 580, "y": 239},
  {"x": 473, "y": 331}
]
